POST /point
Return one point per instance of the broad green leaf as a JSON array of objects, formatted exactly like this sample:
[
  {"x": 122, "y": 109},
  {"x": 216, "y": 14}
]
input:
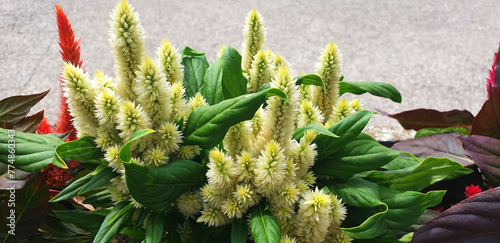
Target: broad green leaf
[
  {"x": 83, "y": 149},
  {"x": 347, "y": 129},
  {"x": 32, "y": 152},
  {"x": 72, "y": 189},
  {"x": 390, "y": 211},
  {"x": 154, "y": 231},
  {"x": 15, "y": 108},
  {"x": 310, "y": 79},
  {"x": 224, "y": 79},
  {"x": 383, "y": 90},
  {"x": 29, "y": 124},
  {"x": 195, "y": 65},
  {"x": 58, "y": 229},
  {"x": 30, "y": 207},
  {"x": 190, "y": 52},
  {"x": 102, "y": 198},
  {"x": 207, "y": 125},
  {"x": 264, "y": 225},
  {"x": 361, "y": 154},
  {"x": 135, "y": 234},
  {"x": 299, "y": 132},
  {"x": 125, "y": 150},
  {"x": 101, "y": 175},
  {"x": 406, "y": 207},
  {"x": 239, "y": 230},
  {"x": 83, "y": 219},
  {"x": 430, "y": 131},
  {"x": 417, "y": 177},
  {"x": 156, "y": 188},
  {"x": 108, "y": 230}
]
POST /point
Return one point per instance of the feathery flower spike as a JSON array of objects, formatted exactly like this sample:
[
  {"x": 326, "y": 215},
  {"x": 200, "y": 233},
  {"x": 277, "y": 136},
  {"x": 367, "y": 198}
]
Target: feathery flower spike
[
  {"x": 254, "y": 35},
  {"x": 70, "y": 52},
  {"x": 329, "y": 69},
  {"x": 127, "y": 40}
]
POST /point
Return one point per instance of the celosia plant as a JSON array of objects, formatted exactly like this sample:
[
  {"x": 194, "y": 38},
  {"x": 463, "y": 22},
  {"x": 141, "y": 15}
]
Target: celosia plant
[{"x": 184, "y": 151}]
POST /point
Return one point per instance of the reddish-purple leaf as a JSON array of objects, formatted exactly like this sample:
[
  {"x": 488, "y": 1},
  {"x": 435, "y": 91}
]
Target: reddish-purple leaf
[
  {"x": 31, "y": 205},
  {"x": 485, "y": 152},
  {"x": 487, "y": 121},
  {"x": 15, "y": 108},
  {"x": 29, "y": 123},
  {"x": 443, "y": 145},
  {"x": 428, "y": 118},
  {"x": 476, "y": 219}
]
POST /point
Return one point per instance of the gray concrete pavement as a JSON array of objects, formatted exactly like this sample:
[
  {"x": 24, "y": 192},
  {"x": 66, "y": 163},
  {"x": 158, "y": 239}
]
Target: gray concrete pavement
[{"x": 437, "y": 53}]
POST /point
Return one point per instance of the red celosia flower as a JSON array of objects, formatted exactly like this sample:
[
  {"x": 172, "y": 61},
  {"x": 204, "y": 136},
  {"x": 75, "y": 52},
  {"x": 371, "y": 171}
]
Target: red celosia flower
[
  {"x": 472, "y": 190},
  {"x": 44, "y": 127},
  {"x": 70, "y": 52},
  {"x": 491, "y": 78},
  {"x": 58, "y": 177}
]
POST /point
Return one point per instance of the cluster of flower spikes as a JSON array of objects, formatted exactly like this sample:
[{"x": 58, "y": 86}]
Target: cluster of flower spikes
[
  {"x": 260, "y": 160},
  {"x": 146, "y": 94}
]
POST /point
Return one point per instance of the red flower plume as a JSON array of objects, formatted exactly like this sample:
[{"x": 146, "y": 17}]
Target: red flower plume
[
  {"x": 70, "y": 52},
  {"x": 44, "y": 127}
]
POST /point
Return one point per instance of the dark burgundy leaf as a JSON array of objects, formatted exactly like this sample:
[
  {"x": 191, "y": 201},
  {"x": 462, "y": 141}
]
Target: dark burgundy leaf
[
  {"x": 14, "y": 108},
  {"x": 29, "y": 123},
  {"x": 31, "y": 208},
  {"x": 443, "y": 145},
  {"x": 485, "y": 152},
  {"x": 487, "y": 121},
  {"x": 428, "y": 118},
  {"x": 476, "y": 219}
]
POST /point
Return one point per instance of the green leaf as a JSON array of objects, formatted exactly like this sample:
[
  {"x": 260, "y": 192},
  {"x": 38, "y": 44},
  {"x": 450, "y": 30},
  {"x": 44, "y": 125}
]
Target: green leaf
[
  {"x": 29, "y": 124},
  {"x": 299, "y": 132},
  {"x": 416, "y": 177},
  {"x": 32, "y": 152},
  {"x": 264, "y": 225},
  {"x": 112, "y": 224},
  {"x": 154, "y": 229},
  {"x": 429, "y": 131},
  {"x": 207, "y": 125},
  {"x": 135, "y": 234},
  {"x": 239, "y": 230},
  {"x": 102, "y": 198},
  {"x": 361, "y": 154},
  {"x": 72, "y": 189},
  {"x": 378, "y": 211},
  {"x": 224, "y": 79},
  {"x": 83, "y": 149},
  {"x": 195, "y": 65},
  {"x": 384, "y": 90},
  {"x": 101, "y": 175},
  {"x": 30, "y": 207},
  {"x": 190, "y": 52},
  {"x": 310, "y": 79},
  {"x": 125, "y": 150},
  {"x": 15, "y": 108},
  {"x": 347, "y": 129},
  {"x": 83, "y": 219},
  {"x": 156, "y": 188}
]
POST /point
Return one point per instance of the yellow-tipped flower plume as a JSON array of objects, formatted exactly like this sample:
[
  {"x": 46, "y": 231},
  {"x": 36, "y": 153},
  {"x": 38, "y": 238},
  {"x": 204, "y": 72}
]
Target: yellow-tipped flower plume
[
  {"x": 80, "y": 93},
  {"x": 254, "y": 36},
  {"x": 170, "y": 61},
  {"x": 127, "y": 40},
  {"x": 329, "y": 69}
]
